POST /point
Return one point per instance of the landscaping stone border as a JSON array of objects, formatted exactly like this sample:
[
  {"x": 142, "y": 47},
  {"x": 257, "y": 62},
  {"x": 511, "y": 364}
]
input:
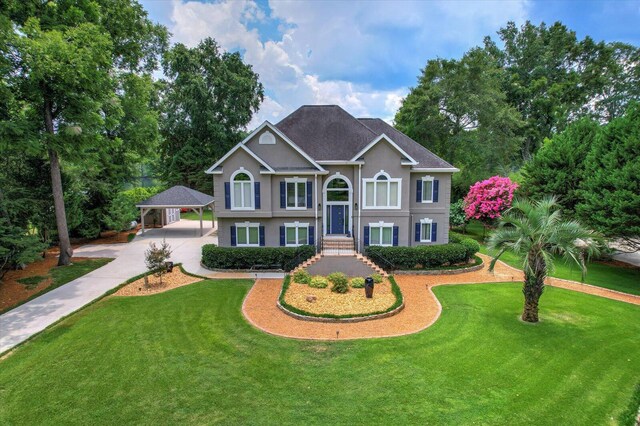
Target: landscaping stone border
[
  {"x": 340, "y": 320},
  {"x": 248, "y": 271},
  {"x": 441, "y": 271}
]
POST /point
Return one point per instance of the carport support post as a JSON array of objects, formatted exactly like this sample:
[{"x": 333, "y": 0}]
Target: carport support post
[
  {"x": 142, "y": 218},
  {"x": 213, "y": 221},
  {"x": 200, "y": 211}
]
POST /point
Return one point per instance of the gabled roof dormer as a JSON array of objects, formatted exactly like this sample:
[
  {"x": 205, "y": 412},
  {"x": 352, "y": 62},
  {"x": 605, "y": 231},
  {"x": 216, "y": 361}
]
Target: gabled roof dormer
[{"x": 407, "y": 160}]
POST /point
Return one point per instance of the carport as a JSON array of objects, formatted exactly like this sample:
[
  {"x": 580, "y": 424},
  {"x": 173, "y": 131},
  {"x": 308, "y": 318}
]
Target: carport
[{"x": 178, "y": 197}]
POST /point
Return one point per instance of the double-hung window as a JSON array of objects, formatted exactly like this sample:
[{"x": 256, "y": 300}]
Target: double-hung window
[
  {"x": 247, "y": 234},
  {"x": 425, "y": 230},
  {"x": 381, "y": 234},
  {"x": 427, "y": 189},
  {"x": 296, "y": 190},
  {"x": 296, "y": 234},
  {"x": 382, "y": 192},
  {"x": 242, "y": 191}
]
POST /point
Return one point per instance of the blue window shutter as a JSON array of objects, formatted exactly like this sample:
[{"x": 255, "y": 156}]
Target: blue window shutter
[
  {"x": 309, "y": 195},
  {"x": 312, "y": 235},
  {"x": 283, "y": 195},
  {"x": 233, "y": 236},
  {"x": 261, "y": 235},
  {"x": 366, "y": 235},
  {"x": 436, "y": 185},
  {"x": 282, "y": 241},
  {"x": 227, "y": 195},
  {"x": 434, "y": 232},
  {"x": 419, "y": 191},
  {"x": 417, "y": 232},
  {"x": 256, "y": 187},
  {"x": 395, "y": 235}
]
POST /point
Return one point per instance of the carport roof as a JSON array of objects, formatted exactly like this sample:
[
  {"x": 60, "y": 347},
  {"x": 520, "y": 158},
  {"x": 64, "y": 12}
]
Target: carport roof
[{"x": 177, "y": 196}]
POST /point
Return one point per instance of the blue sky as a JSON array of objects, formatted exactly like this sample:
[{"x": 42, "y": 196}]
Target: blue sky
[{"x": 366, "y": 55}]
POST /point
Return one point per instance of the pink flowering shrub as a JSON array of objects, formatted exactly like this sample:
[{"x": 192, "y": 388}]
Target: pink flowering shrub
[{"x": 487, "y": 199}]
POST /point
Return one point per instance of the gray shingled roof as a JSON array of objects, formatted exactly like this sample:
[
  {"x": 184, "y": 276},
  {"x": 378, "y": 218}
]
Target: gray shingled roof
[
  {"x": 327, "y": 132},
  {"x": 178, "y": 196},
  {"x": 422, "y": 155}
]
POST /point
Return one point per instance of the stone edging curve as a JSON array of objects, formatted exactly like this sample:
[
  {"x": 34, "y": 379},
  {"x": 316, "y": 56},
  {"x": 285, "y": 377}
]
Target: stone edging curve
[
  {"x": 441, "y": 271},
  {"x": 341, "y": 320},
  {"x": 250, "y": 271}
]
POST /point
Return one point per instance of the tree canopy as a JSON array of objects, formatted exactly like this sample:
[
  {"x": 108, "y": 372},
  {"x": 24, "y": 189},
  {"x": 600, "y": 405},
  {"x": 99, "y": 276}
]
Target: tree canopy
[{"x": 209, "y": 98}]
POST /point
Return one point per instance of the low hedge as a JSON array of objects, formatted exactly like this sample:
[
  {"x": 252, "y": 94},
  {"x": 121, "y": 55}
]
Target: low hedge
[
  {"x": 424, "y": 257},
  {"x": 285, "y": 258}
]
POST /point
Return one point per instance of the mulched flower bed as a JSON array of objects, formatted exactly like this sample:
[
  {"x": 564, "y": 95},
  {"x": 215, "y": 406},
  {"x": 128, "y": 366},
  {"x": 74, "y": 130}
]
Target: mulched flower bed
[
  {"x": 171, "y": 280},
  {"x": 327, "y": 302}
]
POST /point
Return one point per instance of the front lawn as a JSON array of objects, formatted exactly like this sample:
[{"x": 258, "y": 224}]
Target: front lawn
[
  {"x": 188, "y": 356},
  {"x": 624, "y": 279}
]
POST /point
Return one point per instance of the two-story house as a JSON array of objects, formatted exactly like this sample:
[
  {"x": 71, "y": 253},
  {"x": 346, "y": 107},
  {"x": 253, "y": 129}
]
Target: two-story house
[{"x": 322, "y": 174}]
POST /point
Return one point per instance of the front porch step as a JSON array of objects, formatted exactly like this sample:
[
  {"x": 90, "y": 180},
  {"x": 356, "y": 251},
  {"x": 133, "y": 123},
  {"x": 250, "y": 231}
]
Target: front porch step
[{"x": 338, "y": 246}]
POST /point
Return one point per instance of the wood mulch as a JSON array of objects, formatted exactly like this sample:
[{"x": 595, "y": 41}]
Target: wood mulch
[
  {"x": 353, "y": 302},
  {"x": 13, "y": 292},
  {"x": 171, "y": 280},
  {"x": 421, "y": 310}
]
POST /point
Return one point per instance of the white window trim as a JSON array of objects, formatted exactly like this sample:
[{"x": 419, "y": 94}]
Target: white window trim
[
  {"x": 267, "y": 138},
  {"x": 374, "y": 181},
  {"x": 295, "y": 179},
  {"x": 297, "y": 225},
  {"x": 427, "y": 179},
  {"x": 247, "y": 225},
  {"x": 422, "y": 222},
  {"x": 251, "y": 185},
  {"x": 381, "y": 225}
]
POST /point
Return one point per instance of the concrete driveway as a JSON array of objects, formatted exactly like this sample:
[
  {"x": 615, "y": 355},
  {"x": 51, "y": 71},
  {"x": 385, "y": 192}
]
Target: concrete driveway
[{"x": 34, "y": 316}]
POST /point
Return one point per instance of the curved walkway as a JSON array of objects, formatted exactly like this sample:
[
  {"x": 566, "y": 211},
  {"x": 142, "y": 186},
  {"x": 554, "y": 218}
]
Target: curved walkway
[{"x": 422, "y": 308}]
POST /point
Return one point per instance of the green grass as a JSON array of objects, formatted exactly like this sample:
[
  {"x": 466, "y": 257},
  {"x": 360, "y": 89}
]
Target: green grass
[
  {"x": 626, "y": 280},
  {"x": 188, "y": 356},
  {"x": 33, "y": 281},
  {"x": 60, "y": 276},
  {"x": 206, "y": 215}
]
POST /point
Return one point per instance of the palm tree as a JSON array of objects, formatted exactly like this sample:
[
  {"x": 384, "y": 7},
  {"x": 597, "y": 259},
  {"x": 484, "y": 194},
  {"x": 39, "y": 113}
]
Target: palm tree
[{"x": 535, "y": 231}]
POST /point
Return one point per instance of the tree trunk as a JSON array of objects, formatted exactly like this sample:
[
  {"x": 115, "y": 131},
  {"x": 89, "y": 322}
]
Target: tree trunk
[
  {"x": 58, "y": 198},
  {"x": 533, "y": 287}
]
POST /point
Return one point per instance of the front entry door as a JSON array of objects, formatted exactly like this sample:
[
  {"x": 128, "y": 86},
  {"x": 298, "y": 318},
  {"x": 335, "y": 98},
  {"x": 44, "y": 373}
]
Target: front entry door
[{"x": 337, "y": 219}]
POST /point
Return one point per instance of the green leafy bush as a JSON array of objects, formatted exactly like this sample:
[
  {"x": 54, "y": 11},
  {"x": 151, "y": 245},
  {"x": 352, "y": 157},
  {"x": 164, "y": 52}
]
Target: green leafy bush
[
  {"x": 377, "y": 278},
  {"x": 459, "y": 250},
  {"x": 339, "y": 281},
  {"x": 123, "y": 210},
  {"x": 318, "y": 282},
  {"x": 457, "y": 216},
  {"x": 357, "y": 282},
  {"x": 285, "y": 258},
  {"x": 301, "y": 277}
]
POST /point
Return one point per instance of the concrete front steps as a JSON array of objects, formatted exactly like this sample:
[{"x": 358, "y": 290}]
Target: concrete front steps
[{"x": 353, "y": 265}]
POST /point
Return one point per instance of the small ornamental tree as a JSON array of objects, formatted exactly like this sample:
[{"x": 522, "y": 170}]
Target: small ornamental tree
[
  {"x": 155, "y": 258},
  {"x": 487, "y": 199}
]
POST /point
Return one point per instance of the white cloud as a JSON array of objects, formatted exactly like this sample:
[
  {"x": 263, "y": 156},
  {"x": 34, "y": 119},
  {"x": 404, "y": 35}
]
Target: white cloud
[{"x": 354, "y": 54}]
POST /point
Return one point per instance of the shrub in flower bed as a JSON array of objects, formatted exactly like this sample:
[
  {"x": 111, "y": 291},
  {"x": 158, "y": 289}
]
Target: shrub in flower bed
[
  {"x": 339, "y": 281},
  {"x": 357, "y": 282},
  {"x": 377, "y": 278},
  {"x": 301, "y": 277},
  {"x": 318, "y": 282},
  {"x": 285, "y": 258},
  {"x": 458, "y": 251}
]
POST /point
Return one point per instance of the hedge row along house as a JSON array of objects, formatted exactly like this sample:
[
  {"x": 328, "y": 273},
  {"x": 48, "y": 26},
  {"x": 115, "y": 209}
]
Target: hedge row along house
[{"x": 323, "y": 177}]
